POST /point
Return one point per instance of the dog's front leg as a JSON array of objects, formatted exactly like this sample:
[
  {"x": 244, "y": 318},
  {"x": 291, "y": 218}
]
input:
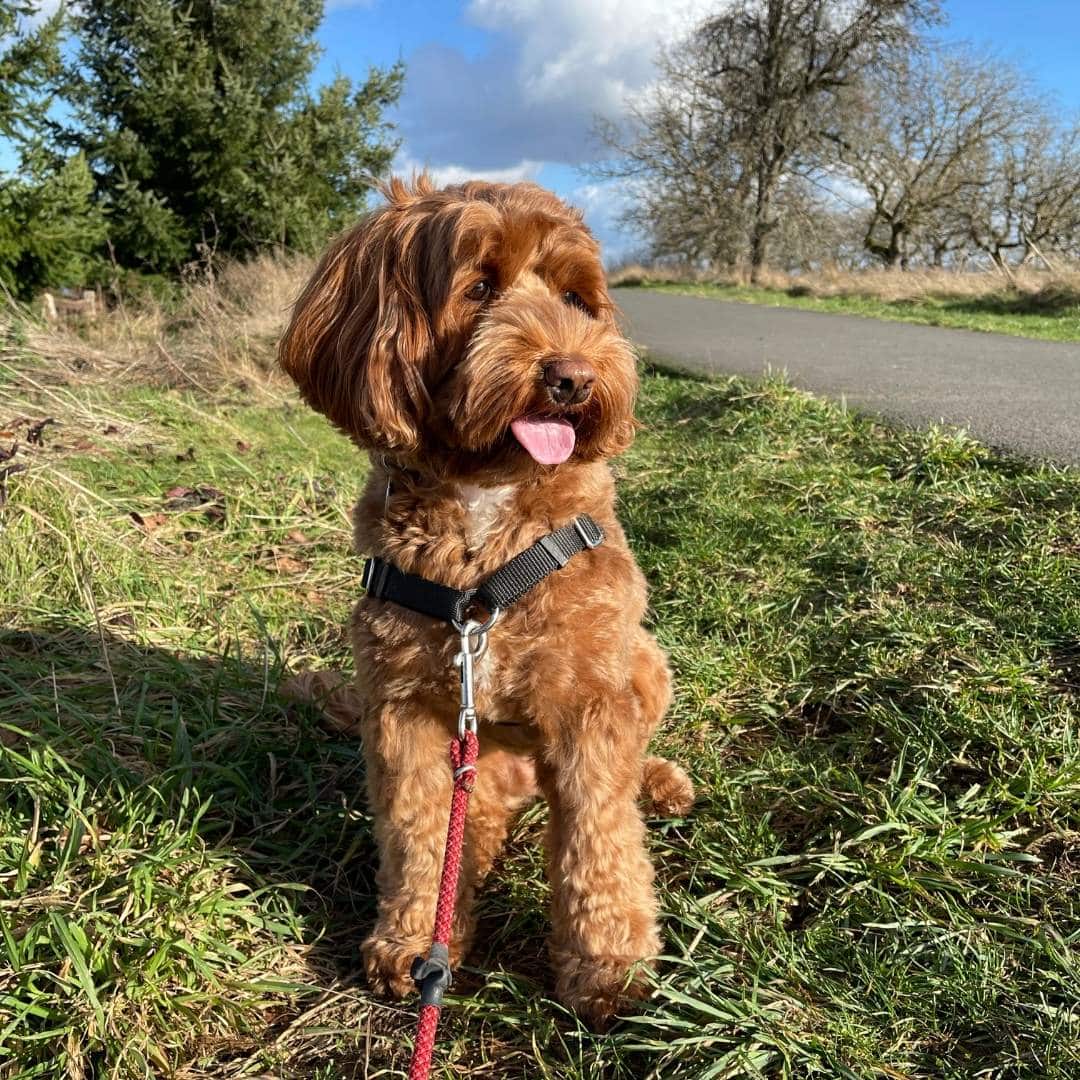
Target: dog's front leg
[
  {"x": 409, "y": 787},
  {"x": 603, "y": 909}
]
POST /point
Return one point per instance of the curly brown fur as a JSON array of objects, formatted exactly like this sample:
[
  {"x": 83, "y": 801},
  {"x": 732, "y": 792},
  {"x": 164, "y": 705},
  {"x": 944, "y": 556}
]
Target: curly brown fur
[{"x": 396, "y": 341}]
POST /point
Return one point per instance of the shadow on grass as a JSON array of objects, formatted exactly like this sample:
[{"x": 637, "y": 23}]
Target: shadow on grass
[
  {"x": 1052, "y": 300},
  {"x": 281, "y": 794},
  {"x": 278, "y": 791}
]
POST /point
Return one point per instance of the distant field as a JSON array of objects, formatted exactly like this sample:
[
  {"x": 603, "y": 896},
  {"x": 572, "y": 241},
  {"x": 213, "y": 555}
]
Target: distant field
[
  {"x": 1039, "y": 307},
  {"x": 876, "y": 640}
]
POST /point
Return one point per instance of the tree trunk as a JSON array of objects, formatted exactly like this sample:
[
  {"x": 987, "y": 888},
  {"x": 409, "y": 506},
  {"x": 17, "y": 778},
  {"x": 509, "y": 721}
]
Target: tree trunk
[{"x": 762, "y": 226}]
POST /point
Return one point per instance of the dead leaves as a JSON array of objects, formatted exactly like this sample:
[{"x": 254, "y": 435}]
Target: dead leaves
[
  {"x": 149, "y": 522},
  {"x": 286, "y": 564},
  {"x": 35, "y": 432},
  {"x": 7, "y": 455},
  {"x": 207, "y": 500}
]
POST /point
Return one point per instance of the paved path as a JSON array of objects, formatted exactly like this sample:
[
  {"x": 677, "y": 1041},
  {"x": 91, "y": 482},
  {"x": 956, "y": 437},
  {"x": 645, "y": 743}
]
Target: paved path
[{"x": 1020, "y": 395}]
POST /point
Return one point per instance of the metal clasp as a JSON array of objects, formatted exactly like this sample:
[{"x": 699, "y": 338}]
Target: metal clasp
[
  {"x": 587, "y": 539},
  {"x": 474, "y": 642}
]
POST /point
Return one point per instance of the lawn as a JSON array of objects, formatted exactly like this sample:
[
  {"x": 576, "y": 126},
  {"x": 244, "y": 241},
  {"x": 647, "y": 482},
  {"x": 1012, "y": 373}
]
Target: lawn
[
  {"x": 1051, "y": 316},
  {"x": 876, "y": 639}
]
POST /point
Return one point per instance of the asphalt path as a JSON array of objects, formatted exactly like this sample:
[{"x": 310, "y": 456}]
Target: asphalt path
[{"x": 1018, "y": 395}]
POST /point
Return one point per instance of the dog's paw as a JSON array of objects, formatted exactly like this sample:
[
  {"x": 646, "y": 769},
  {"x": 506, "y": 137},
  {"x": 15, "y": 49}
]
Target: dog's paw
[
  {"x": 388, "y": 964},
  {"x": 665, "y": 788},
  {"x": 599, "y": 987}
]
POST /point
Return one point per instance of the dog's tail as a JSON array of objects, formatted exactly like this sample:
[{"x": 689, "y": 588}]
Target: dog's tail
[
  {"x": 330, "y": 692},
  {"x": 666, "y": 790}
]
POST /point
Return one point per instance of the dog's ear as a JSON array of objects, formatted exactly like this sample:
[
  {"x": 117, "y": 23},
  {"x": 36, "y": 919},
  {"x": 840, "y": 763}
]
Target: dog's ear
[{"x": 360, "y": 335}]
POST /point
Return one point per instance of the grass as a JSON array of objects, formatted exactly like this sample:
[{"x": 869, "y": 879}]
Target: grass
[
  {"x": 1051, "y": 313},
  {"x": 876, "y": 638}
]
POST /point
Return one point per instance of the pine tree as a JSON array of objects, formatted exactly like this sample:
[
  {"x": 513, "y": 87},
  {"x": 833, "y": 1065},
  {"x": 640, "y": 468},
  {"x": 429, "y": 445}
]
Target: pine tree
[
  {"x": 50, "y": 227},
  {"x": 199, "y": 124},
  {"x": 28, "y": 58}
]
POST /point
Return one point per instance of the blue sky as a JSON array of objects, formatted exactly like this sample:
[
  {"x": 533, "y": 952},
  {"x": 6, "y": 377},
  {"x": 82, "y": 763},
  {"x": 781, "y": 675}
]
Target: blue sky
[{"x": 509, "y": 88}]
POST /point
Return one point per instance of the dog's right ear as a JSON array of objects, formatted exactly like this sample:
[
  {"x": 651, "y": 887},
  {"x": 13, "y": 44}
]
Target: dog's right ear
[{"x": 360, "y": 336}]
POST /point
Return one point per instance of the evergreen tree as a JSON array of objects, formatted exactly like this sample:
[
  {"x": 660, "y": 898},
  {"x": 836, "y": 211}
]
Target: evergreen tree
[
  {"x": 50, "y": 226},
  {"x": 197, "y": 119},
  {"x": 28, "y": 58}
]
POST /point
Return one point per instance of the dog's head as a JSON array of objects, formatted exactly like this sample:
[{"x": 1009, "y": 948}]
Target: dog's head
[{"x": 466, "y": 330}]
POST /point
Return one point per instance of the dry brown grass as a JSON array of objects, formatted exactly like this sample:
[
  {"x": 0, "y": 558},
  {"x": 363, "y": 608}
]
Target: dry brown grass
[
  {"x": 891, "y": 286},
  {"x": 219, "y": 330}
]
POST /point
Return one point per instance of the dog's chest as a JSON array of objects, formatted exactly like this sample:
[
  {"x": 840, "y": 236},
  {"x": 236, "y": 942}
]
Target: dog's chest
[{"x": 482, "y": 507}]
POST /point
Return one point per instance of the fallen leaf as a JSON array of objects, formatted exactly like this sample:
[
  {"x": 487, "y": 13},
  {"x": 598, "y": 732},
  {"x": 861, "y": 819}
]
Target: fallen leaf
[
  {"x": 34, "y": 432},
  {"x": 242, "y": 447},
  {"x": 111, "y": 429},
  {"x": 297, "y": 537},
  {"x": 149, "y": 522},
  {"x": 188, "y": 455},
  {"x": 287, "y": 565},
  {"x": 204, "y": 498}
]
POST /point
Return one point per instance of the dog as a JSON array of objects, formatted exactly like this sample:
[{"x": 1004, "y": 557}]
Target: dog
[{"x": 465, "y": 339}]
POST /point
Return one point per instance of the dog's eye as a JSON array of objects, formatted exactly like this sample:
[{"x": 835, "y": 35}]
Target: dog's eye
[
  {"x": 574, "y": 300},
  {"x": 479, "y": 290}
]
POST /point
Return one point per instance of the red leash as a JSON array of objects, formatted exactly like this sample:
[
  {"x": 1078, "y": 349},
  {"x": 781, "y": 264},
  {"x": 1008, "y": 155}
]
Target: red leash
[{"x": 433, "y": 974}]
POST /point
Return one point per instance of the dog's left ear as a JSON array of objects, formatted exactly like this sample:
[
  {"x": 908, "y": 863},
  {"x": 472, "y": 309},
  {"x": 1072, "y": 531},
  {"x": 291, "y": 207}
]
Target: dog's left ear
[{"x": 360, "y": 336}]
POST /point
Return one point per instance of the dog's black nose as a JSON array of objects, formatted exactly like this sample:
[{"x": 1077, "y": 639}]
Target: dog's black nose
[{"x": 569, "y": 382}]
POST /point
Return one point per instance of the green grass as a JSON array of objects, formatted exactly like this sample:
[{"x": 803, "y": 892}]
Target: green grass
[
  {"x": 1017, "y": 314},
  {"x": 876, "y": 637}
]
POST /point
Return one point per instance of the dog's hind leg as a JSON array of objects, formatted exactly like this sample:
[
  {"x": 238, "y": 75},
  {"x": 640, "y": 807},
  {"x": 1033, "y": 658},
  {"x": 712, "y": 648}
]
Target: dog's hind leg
[{"x": 666, "y": 789}]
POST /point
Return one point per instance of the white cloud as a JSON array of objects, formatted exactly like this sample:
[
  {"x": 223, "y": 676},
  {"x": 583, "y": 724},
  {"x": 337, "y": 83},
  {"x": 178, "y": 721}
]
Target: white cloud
[
  {"x": 598, "y": 51},
  {"x": 603, "y": 203},
  {"x": 553, "y": 66},
  {"x": 458, "y": 174},
  {"x": 533, "y": 96}
]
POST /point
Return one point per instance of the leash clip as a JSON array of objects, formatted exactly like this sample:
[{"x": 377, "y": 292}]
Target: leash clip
[{"x": 473, "y": 645}]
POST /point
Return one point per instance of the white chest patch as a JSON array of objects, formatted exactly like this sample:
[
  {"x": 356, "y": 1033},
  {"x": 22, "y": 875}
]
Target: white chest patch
[{"x": 482, "y": 506}]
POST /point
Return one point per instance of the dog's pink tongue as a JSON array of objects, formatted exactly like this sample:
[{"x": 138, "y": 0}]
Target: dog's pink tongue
[{"x": 549, "y": 440}]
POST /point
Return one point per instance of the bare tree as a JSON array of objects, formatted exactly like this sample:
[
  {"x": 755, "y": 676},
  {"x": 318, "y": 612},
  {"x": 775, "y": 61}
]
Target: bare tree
[
  {"x": 778, "y": 66},
  {"x": 920, "y": 135},
  {"x": 752, "y": 86},
  {"x": 683, "y": 176},
  {"x": 1031, "y": 203}
]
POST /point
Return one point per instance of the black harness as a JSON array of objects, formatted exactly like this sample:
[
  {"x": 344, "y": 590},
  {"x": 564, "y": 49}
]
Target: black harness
[{"x": 384, "y": 581}]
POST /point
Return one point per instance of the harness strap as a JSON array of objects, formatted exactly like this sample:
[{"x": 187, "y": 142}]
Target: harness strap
[{"x": 384, "y": 581}]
